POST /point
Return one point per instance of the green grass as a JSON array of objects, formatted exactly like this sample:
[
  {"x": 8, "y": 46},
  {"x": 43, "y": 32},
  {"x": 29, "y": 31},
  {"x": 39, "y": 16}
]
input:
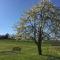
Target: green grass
[{"x": 28, "y": 51}]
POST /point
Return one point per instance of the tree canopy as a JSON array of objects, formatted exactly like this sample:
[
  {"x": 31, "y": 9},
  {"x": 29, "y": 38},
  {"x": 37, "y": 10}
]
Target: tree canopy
[{"x": 45, "y": 15}]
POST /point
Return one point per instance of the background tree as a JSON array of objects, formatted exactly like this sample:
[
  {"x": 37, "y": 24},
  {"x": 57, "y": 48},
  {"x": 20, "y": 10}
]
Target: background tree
[
  {"x": 42, "y": 21},
  {"x": 6, "y": 36}
]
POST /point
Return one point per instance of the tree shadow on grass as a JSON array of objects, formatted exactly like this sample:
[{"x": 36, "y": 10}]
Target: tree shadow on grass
[
  {"x": 51, "y": 57},
  {"x": 14, "y": 50},
  {"x": 9, "y": 52}
]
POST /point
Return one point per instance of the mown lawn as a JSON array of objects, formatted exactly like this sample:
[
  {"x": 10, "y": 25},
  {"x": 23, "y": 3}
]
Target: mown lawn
[{"x": 28, "y": 51}]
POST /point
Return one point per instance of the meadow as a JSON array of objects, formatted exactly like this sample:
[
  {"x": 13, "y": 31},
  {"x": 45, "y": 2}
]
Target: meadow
[{"x": 28, "y": 50}]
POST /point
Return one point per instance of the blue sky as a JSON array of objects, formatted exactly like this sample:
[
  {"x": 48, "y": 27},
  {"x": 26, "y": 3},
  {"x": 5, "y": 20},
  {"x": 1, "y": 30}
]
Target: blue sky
[{"x": 11, "y": 11}]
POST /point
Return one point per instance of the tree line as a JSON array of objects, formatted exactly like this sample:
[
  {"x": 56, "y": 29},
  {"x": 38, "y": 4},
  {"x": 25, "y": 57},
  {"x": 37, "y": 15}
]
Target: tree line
[{"x": 7, "y": 36}]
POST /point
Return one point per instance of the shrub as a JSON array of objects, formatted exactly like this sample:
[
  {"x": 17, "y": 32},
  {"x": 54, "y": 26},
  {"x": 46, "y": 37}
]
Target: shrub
[{"x": 16, "y": 49}]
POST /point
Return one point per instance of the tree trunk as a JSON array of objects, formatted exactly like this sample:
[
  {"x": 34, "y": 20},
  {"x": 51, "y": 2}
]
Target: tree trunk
[
  {"x": 39, "y": 41},
  {"x": 39, "y": 49}
]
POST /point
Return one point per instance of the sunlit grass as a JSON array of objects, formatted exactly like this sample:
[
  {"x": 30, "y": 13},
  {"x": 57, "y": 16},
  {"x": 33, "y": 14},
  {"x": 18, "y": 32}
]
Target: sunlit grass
[{"x": 28, "y": 51}]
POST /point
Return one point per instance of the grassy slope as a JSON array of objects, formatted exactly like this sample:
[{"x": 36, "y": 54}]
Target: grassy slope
[{"x": 29, "y": 51}]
